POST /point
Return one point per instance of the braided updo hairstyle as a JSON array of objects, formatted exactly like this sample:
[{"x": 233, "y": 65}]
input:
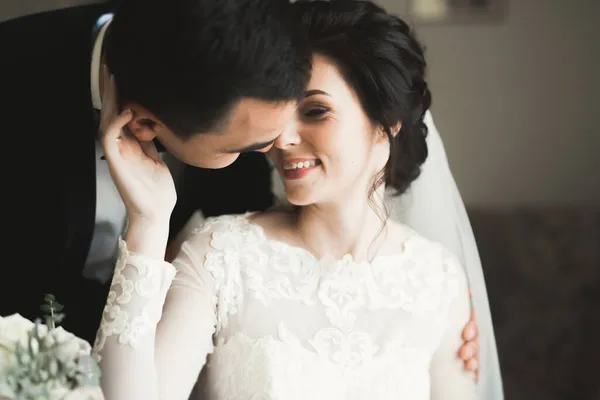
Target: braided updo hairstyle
[{"x": 380, "y": 58}]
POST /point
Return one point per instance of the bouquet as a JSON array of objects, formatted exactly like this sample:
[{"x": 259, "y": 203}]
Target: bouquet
[{"x": 44, "y": 362}]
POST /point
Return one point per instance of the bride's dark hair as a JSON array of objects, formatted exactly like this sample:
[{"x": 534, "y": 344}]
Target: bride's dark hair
[{"x": 380, "y": 58}]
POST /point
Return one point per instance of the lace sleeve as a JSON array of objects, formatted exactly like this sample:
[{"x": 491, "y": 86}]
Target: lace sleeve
[
  {"x": 449, "y": 380},
  {"x": 140, "y": 357}
]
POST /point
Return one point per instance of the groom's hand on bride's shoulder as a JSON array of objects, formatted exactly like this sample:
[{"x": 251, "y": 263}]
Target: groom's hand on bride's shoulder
[{"x": 469, "y": 352}]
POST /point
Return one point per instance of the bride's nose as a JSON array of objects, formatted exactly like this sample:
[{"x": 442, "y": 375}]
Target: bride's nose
[{"x": 289, "y": 137}]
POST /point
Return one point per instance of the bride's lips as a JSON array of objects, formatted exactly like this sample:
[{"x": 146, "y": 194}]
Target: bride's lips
[{"x": 298, "y": 168}]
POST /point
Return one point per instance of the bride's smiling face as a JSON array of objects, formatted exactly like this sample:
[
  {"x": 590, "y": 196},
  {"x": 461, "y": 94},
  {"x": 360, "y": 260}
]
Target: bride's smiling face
[{"x": 333, "y": 150}]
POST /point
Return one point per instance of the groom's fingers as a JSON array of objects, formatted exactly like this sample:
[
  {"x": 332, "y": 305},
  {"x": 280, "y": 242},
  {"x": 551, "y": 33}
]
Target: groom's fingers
[
  {"x": 472, "y": 365},
  {"x": 470, "y": 331},
  {"x": 468, "y": 351}
]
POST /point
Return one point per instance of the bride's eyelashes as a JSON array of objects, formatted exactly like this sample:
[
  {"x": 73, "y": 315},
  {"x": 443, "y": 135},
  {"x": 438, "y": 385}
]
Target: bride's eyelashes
[{"x": 314, "y": 112}]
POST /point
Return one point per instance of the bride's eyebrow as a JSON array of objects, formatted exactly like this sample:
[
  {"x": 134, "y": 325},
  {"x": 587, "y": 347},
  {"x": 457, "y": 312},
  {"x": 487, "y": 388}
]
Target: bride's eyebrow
[{"x": 315, "y": 92}]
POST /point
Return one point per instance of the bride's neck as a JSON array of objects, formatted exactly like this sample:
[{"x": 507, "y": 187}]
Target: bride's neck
[{"x": 347, "y": 226}]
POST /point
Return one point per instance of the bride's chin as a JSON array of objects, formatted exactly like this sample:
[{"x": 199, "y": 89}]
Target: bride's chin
[
  {"x": 296, "y": 198},
  {"x": 299, "y": 201}
]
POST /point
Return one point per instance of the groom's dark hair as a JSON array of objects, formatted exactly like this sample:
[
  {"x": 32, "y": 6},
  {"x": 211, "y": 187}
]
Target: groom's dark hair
[{"x": 190, "y": 61}]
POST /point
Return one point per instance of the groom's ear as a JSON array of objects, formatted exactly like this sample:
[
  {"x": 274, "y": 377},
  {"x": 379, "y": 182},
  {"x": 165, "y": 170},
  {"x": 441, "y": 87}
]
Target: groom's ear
[{"x": 144, "y": 124}]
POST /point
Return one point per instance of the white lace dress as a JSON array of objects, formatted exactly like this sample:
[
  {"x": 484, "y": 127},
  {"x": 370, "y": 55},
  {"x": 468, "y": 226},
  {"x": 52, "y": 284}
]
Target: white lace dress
[{"x": 265, "y": 320}]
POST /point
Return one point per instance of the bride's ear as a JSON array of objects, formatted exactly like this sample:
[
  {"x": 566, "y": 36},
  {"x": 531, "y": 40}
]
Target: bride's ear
[
  {"x": 396, "y": 128},
  {"x": 382, "y": 134}
]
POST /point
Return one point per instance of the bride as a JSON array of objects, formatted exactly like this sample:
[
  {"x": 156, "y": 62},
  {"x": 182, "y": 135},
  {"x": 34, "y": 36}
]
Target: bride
[{"x": 326, "y": 299}]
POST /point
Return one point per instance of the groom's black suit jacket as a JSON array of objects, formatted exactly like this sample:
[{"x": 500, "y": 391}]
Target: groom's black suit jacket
[
  {"x": 49, "y": 129},
  {"x": 47, "y": 133}
]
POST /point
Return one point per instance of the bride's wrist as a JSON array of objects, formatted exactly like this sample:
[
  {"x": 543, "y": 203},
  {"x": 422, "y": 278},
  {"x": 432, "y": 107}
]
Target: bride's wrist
[
  {"x": 148, "y": 236},
  {"x": 148, "y": 221}
]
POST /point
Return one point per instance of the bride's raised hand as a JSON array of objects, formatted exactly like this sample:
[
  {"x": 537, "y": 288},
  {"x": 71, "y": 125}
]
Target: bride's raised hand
[{"x": 141, "y": 177}]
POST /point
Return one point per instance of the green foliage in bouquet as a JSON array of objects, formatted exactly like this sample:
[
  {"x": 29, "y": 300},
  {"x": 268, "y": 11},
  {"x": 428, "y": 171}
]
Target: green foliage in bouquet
[
  {"x": 43, "y": 365},
  {"x": 52, "y": 310}
]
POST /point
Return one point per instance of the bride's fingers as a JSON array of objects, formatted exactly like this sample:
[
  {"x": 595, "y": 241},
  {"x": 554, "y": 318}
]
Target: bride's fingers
[
  {"x": 109, "y": 99},
  {"x": 114, "y": 132},
  {"x": 149, "y": 148}
]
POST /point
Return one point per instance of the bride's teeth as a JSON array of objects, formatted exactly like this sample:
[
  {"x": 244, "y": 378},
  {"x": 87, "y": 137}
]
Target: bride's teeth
[{"x": 301, "y": 164}]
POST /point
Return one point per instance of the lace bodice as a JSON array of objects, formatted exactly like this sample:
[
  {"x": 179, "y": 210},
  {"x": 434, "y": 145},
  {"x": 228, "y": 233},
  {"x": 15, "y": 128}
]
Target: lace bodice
[{"x": 276, "y": 323}]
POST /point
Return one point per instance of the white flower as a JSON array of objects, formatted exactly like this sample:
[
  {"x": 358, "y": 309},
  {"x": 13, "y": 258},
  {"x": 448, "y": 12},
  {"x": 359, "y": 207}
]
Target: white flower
[
  {"x": 85, "y": 393},
  {"x": 13, "y": 329},
  {"x": 70, "y": 346},
  {"x": 62, "y": 346},
  {"x": 82, "y": 393}
]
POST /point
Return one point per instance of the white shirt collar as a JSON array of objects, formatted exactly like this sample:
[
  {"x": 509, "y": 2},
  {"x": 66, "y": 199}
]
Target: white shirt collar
[{"x": 96, "y": 59}]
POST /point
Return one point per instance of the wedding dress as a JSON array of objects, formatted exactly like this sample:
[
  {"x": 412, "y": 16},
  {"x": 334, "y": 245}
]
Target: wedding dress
[
  {"x": 266, "y": 320},
  {"x": 434, "y": 208}
]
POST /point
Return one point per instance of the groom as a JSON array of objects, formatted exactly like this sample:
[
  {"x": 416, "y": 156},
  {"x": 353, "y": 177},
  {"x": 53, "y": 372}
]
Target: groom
[{"x": 208, "y": 80}]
